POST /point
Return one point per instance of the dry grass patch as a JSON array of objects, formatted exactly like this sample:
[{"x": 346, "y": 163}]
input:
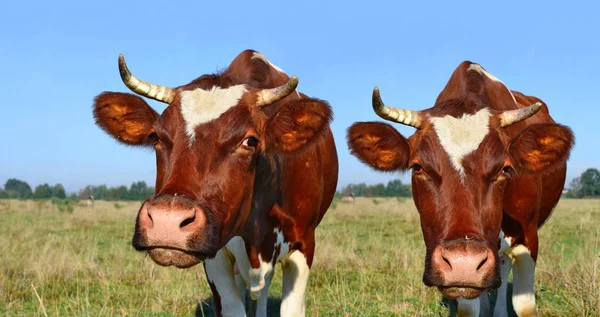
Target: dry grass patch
[{"x": 369, "y": 262}]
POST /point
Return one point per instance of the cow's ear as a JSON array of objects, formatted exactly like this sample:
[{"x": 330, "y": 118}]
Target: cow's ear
[
  {"x": 541, "y": 147},
  {"x": 379, "y": 145},
  {"x": 126, "y": 117},
  {"x": 296, "y": 124}
]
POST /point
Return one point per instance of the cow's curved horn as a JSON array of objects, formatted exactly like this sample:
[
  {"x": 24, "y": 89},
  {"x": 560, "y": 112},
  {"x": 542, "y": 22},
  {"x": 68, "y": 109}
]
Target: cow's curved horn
[
  {"x": 146, "y": 89},
  {"x": 513, "y": 116},
  {"x": 407, "y": 117},
  {"x": 271, "y": 95}
]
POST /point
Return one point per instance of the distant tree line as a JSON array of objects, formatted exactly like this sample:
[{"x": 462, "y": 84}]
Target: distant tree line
[
  {"x": 586, "y": 185},
  {"x": 394, "y": 188},
  {"x": 18, "y": 189},
  {"x": 14, "y": 188},
  {"x": 137, "y": 191}
]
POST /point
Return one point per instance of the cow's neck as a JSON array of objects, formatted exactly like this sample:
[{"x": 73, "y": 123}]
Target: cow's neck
[{"x": 267, "y": 193}]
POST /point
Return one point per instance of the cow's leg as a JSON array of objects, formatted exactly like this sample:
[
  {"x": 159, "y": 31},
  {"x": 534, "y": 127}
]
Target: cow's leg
[
  {"x": 505, "y": 242},
  {"x": 295, "y": 278},
  {"x": 523, "y": 297},
  {"x": 468, "y": 307},
  {"x": 261, "y": 305},
  {"x": 484, "y": 304},
  {"x": 501, "y": 309},
  {"x": 479, "y": 306},
  {"x": 241, "y": 284},
  {"x": 219, "y": 272},
  {"x": 258, "y": 277}
]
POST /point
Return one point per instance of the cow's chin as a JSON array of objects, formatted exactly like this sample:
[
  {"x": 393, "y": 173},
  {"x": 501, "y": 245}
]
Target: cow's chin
[
  {"x": 453, "y": 292},
  {"x": 178, "y": 258}
]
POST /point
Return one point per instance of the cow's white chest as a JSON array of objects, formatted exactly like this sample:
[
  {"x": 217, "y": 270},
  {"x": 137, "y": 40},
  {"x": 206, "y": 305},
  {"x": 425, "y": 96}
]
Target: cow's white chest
[
  {"x": 255, "y": 277},
  {"x": 461, "y": 136},
  {"x": 199, "y": 106}
]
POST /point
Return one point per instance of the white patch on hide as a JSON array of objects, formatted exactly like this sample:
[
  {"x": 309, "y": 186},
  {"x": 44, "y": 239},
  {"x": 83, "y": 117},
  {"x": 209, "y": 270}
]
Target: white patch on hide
[
  {"x": 199, "y": 106},
  {"x": 461, "y": 136},
  {"x": 295, "y": 279},
  {"x": 523, "y": 297},
  {"x": 257, "y": 275},
  {"x": 219, "y": 272},
  {"x": 505, "y": 243}
]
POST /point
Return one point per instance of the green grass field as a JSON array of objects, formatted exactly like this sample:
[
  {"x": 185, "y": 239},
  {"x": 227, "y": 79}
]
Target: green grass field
[{"x": 368, "y": 262}]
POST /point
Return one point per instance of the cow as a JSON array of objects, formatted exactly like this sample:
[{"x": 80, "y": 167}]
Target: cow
[
  {"x": 488, "y": 167},
  {"x": 349, "y": 198},
  {"x": 246, "y": 169},
  {"x": 89, "y": 202}
]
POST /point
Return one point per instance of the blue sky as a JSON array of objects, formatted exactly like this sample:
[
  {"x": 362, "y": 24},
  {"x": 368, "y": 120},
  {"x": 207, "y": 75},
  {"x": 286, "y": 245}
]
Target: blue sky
[{"x": 57, "y": 55}]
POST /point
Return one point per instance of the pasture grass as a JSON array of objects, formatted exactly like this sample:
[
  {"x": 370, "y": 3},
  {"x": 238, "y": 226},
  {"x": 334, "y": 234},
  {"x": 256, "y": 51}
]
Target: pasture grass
[{"x": 368, "y": 262}]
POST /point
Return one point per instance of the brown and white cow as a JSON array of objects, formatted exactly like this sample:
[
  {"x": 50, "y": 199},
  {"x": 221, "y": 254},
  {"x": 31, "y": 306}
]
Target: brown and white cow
[
  {"x": 89, "y": 202},
  {"x": 487, "y": 172},
  {"x": 246, "y": 168}
]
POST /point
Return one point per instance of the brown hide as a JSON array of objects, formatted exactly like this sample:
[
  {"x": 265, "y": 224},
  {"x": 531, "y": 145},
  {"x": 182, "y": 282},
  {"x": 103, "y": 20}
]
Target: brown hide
[
  {"x": 243, "y": 174},
  {"x": 510, "y": 181}
]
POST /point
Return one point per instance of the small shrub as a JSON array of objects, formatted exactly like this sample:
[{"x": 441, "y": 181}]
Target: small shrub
[
  {"x": 63, "y": 205},
  {"x": 401, "y": 199},
  {"x": 375, "y": 202},
  {"x": 118, "y": 206}
]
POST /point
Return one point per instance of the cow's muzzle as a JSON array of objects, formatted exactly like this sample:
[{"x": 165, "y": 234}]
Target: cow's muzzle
[
  {"x": 462, "y": 268},
  {"x": 174, "y": 231}
]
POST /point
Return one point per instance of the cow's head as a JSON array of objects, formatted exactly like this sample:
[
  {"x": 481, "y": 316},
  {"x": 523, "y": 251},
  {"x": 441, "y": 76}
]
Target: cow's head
[
  {"x": 462, "y": 158},
  {"x": 208, "y": 142}
]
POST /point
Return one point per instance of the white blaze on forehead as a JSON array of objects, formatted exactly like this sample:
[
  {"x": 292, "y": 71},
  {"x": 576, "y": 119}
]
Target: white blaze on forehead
[
  {"x": 479, "y": 69},
  {"x": 199, "y": 106},
  {"x": 262, "y": 57},
  {"x": 461, "y": 136}
]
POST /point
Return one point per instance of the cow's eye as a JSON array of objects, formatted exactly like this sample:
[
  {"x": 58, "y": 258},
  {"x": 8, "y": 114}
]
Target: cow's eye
[
  {"x": 505, "y": 173},
  {"x": 416, "y": 167},
  {"x": 507, "y": 170},
  {"x": 250, "y": 142},
  {"x": 153, "y": 137}
]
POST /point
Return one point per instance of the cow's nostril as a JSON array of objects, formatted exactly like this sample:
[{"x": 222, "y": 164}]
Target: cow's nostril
[
  {"x": 187, "y": 221},
  {"x": 447, "y": 261},
  {"x": 482, "y": 263}
]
